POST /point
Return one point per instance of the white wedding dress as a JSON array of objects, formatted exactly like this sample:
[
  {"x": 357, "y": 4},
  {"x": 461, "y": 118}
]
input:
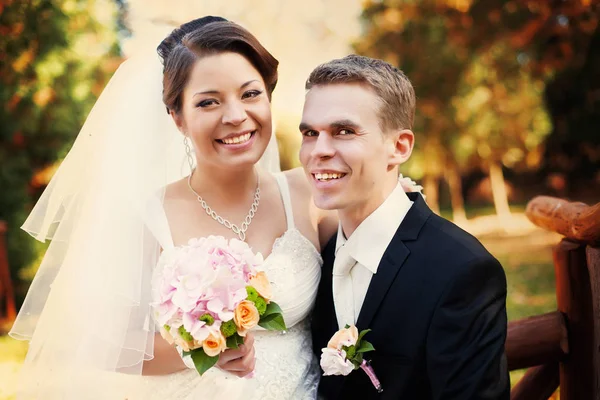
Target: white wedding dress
[{"x": 286, "y": 367}]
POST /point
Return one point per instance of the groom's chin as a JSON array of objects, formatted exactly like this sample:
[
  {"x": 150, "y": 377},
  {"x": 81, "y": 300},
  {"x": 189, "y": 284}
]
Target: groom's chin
[{"x": 326, "y": 202}]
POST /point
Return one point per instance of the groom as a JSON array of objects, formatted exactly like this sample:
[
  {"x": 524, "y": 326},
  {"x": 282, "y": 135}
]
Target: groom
[{"x": 433, "y": 297}]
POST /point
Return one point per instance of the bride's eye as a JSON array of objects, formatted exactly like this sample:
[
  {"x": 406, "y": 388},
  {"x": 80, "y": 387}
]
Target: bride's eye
[
  {"x": 206, "y": 103},
  {"x": 251, "y": 93}
]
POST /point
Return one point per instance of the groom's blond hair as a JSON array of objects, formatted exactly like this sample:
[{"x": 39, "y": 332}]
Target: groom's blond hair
[{"x": 397, "y": 95}]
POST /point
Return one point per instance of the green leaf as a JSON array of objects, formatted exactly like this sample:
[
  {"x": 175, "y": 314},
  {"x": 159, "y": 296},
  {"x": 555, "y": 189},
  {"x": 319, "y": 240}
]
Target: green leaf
[
  {"x": 272, "y": 308},
  {"x": 362, "y": 334},
  {"x": 234, "y": 341},
  {"x": 272, "y": 319},
  {"x": 202, "y": 362},
  {"x": 364, "y": 347},
  {"x": 350, "y": 352},
  {"x": 273, "y": 322}
]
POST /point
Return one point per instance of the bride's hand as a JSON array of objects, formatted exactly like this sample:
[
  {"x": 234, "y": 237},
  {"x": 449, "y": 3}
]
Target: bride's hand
[{"x": 239, "y": 361}]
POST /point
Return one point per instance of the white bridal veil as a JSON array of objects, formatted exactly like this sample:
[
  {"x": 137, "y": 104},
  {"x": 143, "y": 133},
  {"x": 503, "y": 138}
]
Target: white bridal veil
[{"x": 87, "y": 311}]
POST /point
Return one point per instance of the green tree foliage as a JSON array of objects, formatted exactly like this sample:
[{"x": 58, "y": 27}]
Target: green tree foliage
[
  {"x": 55, "y": 58},
  {"x": 480, "y": 69}
]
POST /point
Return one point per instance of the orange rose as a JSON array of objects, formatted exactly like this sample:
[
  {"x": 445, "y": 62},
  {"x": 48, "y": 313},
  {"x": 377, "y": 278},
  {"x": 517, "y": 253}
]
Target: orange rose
[
  {"x": 245, "y": 317},
  {"x": 214, "y": 344},
  {"x": 262, "y": 286},
  {"x": 344, "y": 337}
]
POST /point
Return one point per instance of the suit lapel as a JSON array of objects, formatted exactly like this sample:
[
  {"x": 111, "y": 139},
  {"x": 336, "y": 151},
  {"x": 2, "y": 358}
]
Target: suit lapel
[
  {"x": 393, "y": 259},
  {"x": 328, "y": 307}
]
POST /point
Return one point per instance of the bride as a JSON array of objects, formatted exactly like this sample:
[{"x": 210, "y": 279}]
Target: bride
[{"x": 132, "y": 186}]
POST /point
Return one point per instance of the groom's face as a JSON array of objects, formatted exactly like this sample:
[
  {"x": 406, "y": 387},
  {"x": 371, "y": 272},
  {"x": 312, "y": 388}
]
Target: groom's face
[{"x": 344, "y": 151}]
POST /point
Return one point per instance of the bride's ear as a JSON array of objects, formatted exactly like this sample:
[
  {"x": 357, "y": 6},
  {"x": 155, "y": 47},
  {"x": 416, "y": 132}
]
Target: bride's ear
[{"x": 179, "y": 122}]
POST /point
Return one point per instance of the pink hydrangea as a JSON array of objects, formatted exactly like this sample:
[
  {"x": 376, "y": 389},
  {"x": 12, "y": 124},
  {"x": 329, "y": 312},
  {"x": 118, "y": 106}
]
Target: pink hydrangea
[{"x": 206, "y": 276}]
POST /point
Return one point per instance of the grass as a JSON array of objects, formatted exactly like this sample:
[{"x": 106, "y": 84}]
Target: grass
[
  {"x": 12, "y": 354},
  {"x": 526, "y": 258},
  {"x": 527, "y": 261}
]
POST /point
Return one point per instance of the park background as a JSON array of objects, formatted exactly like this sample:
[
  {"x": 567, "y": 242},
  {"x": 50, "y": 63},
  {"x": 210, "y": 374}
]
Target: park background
[{"x": 508, "y": 107}]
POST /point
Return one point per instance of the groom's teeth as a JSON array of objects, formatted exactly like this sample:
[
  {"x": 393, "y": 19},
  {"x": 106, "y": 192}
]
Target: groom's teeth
[
  {"x": 327, "y": 177},
  {"x": 237, "y": 139}
]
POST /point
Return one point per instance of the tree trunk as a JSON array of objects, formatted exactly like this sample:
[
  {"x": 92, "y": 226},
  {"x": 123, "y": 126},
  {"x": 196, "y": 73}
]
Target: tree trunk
[
  {"x": 499, "y": 190},
  {"x": 431, "y": 190},
  {"x": 456, "y": 197},
  {"x": 6, "y": 287}
]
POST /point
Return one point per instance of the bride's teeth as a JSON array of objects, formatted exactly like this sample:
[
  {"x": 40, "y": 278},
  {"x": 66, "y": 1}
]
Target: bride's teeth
[{"x": 238, "y": 139}]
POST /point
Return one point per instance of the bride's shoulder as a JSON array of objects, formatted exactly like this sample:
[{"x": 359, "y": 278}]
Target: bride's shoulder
[
  {"x": 298, "y": 182},
  {"x": 324, "y": 221},
  {"x": 176, "y": 190}
]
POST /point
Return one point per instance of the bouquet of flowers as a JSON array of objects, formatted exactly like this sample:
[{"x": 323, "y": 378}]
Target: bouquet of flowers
[
  {"x": 208, "y": 294},
  {"x": 344, "y": 354}
]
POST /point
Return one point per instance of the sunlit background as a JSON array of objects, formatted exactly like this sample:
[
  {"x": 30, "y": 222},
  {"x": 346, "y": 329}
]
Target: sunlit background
[{"x": 508, "y": 107}]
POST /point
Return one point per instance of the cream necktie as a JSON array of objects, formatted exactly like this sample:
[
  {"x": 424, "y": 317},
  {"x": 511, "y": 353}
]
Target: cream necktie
[{"x": 343, "y": 294}]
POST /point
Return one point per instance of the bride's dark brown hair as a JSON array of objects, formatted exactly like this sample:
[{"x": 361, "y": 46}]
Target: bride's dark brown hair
[{"x": 208, "y": 36}]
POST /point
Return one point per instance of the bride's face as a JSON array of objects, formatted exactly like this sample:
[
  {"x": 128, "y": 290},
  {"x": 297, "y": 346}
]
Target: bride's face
[{"x": 226, "y": 111}]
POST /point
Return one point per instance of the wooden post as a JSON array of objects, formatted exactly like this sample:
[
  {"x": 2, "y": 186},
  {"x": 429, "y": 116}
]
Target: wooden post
[
  {"x": 538, "y": 383},
  {"x": 573, "y": 294},
  {"x": 593, "y": 262},
  {"x": 6, "y": 287}
]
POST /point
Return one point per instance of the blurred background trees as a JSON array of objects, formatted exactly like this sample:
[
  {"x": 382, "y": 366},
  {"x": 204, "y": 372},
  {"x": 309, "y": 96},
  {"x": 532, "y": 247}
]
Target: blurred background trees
[
  {"x": 502, "y": 86},
  {"x": 55, "y": 58}
]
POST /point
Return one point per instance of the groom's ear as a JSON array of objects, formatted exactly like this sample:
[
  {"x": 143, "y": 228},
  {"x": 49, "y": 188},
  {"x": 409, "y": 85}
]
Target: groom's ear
[{"x": 401, "y": 146}]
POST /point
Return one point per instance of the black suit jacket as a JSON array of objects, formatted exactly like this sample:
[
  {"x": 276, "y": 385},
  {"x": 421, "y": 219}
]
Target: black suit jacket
[{"x": 437, "y": 310}]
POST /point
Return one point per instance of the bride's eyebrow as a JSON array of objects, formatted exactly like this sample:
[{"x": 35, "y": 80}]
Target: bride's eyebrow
[{"x": 214, "y": 91}]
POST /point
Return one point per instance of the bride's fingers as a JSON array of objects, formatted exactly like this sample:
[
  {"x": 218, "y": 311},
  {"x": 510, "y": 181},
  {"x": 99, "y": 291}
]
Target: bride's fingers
[
  {"x": 233, "y": 354},
  {"x": 241, "y": 366}
]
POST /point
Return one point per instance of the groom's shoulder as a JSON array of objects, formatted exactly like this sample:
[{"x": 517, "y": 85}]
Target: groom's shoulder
[{"x": 450, "y": 240}]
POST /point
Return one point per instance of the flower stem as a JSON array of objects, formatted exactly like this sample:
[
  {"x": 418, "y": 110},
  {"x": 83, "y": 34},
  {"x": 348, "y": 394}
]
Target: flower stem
[{"x": 365, "y": 366}]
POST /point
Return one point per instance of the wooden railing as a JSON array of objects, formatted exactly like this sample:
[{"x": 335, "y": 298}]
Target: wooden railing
[{"x": 562, "y": 348}]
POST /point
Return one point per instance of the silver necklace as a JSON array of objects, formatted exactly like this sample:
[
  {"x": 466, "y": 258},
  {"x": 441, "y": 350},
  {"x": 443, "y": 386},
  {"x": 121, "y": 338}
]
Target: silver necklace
[{"x": 240, "y": 231}]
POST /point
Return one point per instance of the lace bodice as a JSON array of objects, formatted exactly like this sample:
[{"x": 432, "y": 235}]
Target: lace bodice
[{"x": 285, "y": 365}]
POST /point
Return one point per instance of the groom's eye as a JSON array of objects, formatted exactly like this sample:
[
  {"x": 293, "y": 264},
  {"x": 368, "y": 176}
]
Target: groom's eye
[
  {"x": 345, "y": 131},
  {"x": 310, "y": 133}
]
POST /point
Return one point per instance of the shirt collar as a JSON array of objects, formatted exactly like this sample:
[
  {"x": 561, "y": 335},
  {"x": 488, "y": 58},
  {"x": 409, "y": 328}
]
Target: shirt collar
[{"x": 368, "y": 242}]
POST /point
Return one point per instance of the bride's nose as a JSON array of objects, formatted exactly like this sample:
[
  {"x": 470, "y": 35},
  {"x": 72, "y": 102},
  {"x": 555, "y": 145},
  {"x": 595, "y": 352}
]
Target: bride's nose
[{"x": 234, "y": 113}]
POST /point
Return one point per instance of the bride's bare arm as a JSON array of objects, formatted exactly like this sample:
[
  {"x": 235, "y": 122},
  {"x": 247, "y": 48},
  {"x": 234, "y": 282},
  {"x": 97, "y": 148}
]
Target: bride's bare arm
[{"x": 166, "y": 359}]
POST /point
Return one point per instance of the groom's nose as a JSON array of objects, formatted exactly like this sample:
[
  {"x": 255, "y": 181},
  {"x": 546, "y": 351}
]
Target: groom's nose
[{"x": 324, "y": 146}]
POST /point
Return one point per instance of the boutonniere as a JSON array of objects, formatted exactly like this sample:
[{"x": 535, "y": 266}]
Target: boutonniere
[{"x": 345, "y": 353}]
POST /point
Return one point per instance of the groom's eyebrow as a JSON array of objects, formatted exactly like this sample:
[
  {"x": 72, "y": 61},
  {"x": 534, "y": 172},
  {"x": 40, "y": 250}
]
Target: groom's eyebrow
[
  {"x": 214, "y": 91},
  {"x": 342, "y": 123}
]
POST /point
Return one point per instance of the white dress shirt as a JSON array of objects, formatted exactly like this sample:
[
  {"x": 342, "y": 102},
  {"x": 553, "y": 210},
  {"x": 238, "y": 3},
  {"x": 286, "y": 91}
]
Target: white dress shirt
[{"x": 368, "y": 243}]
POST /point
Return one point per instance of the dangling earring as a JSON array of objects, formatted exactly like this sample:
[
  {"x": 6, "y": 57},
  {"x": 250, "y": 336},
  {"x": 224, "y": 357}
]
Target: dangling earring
[{"x": 188, "y": 152}]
